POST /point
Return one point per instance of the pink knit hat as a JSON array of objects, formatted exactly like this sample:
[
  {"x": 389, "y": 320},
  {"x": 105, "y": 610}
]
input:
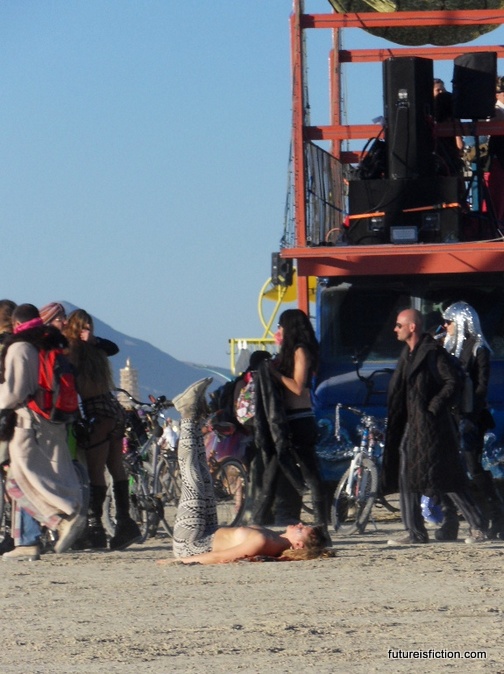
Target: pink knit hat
[{"x": 51, "y": 311}]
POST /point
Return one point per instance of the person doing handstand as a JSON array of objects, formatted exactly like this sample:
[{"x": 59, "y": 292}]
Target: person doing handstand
[{"x": 197, "y": 538}]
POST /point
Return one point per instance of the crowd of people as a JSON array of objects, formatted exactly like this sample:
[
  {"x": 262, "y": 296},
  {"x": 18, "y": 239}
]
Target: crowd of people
[
  {"x": 450, "y": 150},
  {"x": 43, "y": 480},
  {"x": 433, "y": 445}
]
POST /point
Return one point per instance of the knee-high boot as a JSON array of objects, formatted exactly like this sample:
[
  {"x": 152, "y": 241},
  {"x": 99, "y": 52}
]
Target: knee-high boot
[
  {"x": 261, "y": 509},
  {"x": 321, "y": 518},
  {"x": 291, "y": 470},
  {"x": 448, "y": 531},
  {"x": 96, "y": 533},
  {"x": 494, "y": 508},
  {"x": 94, "y": 536},
  {"x": 127, "y": 530},
  {"x": 287, "y": 504}
]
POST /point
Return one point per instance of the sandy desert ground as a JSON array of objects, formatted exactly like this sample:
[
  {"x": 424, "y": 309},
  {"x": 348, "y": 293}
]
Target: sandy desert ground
[{"x": 119, "y": 612}]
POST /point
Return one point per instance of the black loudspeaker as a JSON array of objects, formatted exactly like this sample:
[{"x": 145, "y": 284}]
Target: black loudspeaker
[
  {"x": 281, "y": 270},
  {"x": 408, "y": 103},
  {"x": 474, "y": 77},
  {"x": 394, "y": 198}
]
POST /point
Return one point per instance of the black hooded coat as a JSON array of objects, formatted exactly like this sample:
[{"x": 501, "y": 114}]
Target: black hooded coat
[{"x": 421, "y": 422}]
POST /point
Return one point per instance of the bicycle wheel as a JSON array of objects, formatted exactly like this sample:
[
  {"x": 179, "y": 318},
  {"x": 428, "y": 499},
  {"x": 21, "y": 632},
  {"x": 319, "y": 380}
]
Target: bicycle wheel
[
  {"x": 167, "y": 488},
  {"x": 350, "y": 511},
  {"x": 230, "y": 481},
  {"x": 140, "y": 509}
]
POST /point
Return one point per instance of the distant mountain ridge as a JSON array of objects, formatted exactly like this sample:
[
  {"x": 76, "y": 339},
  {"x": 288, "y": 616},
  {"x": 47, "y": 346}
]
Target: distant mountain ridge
[{"x": 158, "y": 372}]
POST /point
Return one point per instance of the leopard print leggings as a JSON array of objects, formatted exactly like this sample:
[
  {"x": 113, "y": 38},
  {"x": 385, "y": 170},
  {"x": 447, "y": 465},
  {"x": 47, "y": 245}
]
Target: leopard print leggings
[{"x": 196, "y": 521}]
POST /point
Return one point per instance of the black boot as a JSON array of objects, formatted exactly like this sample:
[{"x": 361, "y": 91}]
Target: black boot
[
  {"x": 7, "y": 544},
  {"x": 494, "y": 508},
  {"x": 291, "y": 470},
  {"x": 127, "y": 530},
  {"x": 320, "y": 517},
  {"x": 482, "y": 486},
  {"x": 449, "y": 529},
  {"x": 497, "y": 528},
  {"x": 94, "y": 536},
  {"x": 287, "y": 504},
  {"x": 96, "y": 532}
]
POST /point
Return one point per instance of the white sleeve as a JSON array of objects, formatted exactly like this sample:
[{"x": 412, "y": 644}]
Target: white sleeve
[{"x": 21, "y": 375}]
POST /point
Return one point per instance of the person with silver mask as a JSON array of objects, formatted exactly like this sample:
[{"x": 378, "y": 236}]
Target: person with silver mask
[{"x": 465, "y": 340}]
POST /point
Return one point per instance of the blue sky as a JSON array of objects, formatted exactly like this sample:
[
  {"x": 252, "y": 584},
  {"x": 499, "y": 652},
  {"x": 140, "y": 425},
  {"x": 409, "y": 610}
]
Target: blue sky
[{"x": 144, "y": 150}]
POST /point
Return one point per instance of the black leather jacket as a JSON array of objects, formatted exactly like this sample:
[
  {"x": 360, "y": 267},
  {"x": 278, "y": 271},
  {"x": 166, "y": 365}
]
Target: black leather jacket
[{"x": 271, "y": 430}]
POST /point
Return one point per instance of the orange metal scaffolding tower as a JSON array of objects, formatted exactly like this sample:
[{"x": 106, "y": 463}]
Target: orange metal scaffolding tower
[{"x": 351, "y": 260}]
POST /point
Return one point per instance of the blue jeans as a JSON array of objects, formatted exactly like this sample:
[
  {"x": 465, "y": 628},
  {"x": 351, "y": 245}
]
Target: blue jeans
[{"x": 29, "y": 529}]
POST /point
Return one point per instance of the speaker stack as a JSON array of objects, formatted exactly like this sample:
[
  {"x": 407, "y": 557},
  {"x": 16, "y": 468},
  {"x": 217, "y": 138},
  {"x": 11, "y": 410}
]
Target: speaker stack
[
  {"x": 408, "y": 197},
  {"x": 281, "y": 270},
  {"x": 404, "y": 203},
  {"x": 408, "y": 103},
  {"x": 474, "y": 77}
]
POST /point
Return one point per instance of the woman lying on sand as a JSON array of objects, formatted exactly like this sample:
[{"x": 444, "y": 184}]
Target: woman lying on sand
[{"x": 197, "y": 538}]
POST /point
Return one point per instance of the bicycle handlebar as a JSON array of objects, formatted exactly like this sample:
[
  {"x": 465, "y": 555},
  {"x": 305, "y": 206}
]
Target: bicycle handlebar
[
  {"x": 369, "y": 420},
  {"x": 157, "y": 403},
  {"x": 354, "y": 410}
]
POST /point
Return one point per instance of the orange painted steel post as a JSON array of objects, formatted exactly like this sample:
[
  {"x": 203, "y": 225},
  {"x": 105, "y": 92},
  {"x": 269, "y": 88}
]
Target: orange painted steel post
[{"x": 298, "y": 123}]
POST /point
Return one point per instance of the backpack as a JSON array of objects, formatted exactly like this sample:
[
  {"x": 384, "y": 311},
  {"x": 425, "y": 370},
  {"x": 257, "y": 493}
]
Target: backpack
[
  {"x": 56, "y": 397},
  {"x": 245, "y": 403}
]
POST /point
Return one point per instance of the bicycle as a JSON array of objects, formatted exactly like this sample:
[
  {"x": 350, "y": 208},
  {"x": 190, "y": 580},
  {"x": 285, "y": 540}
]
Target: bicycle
[
  {"x": 344, "y": 448},
  {"x": 155, "y": 479},
  {"x": 225, "y": 450},
  {"x": 369, "y": 382},
  {"x": 356, "y": 492},
  {"x": 152, "y": 471}
]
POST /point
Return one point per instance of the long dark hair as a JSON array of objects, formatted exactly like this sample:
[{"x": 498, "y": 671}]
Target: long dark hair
[{"x": 297, "y": 331}]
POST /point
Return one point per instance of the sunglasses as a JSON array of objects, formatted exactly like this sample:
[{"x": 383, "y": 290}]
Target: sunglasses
[{"x": 447, "y": 322}]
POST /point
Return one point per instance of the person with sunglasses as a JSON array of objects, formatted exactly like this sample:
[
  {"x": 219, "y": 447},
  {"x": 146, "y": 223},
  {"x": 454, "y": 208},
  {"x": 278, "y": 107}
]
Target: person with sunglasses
[
  {"x": 465, "y": 340},
  {"x": 421, "y": 454}
]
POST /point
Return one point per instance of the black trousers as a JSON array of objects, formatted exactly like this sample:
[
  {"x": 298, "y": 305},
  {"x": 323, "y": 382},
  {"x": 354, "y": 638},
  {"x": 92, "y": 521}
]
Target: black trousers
[
  {"x": 276, "y": 484},
  {"x": 410, "y": 504}
]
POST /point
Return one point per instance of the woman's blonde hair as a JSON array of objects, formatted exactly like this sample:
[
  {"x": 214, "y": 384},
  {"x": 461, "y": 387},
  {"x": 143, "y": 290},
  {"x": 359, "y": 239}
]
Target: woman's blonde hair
[{"x": 313, "y": 548}]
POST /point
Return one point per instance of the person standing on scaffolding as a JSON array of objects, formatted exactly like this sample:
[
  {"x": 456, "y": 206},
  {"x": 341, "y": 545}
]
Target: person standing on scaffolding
[{"x": 496, "y": 157}]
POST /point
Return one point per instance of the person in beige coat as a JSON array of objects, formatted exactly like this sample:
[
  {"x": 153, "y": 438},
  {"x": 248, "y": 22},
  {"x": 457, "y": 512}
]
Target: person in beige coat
[{"x": 42, "y": 479}]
